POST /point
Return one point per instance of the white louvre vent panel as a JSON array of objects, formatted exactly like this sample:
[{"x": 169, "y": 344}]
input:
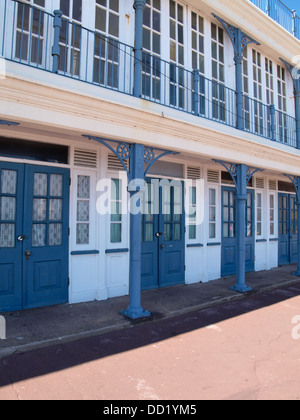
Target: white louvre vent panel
[
  {"x": 85, "y": 158},
  {"x": 193, "y": 172},
  {"x": 260, "y": 183},
  {"x": 272, "y": 185},
  {"x": 213, "y": 176},
  {"x": 114, "y": 164}
]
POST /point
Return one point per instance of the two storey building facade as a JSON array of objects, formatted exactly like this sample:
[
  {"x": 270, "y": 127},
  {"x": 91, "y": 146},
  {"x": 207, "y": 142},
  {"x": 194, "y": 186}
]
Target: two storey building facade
[{"x": 145, "y": 144}]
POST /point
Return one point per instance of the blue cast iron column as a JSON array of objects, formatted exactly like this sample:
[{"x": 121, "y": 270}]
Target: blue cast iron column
[
  {"x": 137, "y": 170},
  {"x": 295, "y": 73},
  {"x": 241, "y": 200},
  {"x": 141, "y": 158},
  {"x": 239, "y": 41},
  {"x": 139, "y": 6}
]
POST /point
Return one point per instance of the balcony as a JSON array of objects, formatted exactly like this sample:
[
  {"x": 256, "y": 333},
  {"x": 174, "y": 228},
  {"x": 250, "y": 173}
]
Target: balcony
[
  {"x": 93, "y": 58},
  {"x": 279, "y": 12}
]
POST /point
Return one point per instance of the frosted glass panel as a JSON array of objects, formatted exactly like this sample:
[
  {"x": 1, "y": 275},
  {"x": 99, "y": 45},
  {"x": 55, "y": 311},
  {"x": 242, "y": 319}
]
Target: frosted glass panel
[
  {"x": 8, "y": 209},
  {"x": 56, "y": 185},
  {"x": 39, "y": 209},
  {"x": 7, "y": 235},
  {"x": 8, "y": 182},
  {"x": 39, "y": 235},
  {"x": 55, "y": 234},
  {"x": 55, "y": 210},
  {"x": 83, "y": 187},
  {"x": 40, "y": 184},
  {"x": 82, "y": 234},
  {"x": 83, "y": 211}
]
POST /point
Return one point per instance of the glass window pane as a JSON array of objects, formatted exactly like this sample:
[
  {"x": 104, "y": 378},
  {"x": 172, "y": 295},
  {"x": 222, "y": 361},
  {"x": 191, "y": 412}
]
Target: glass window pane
[
  {"x": 39, "y": 212},
  {"x": 167, "y": 232},
  {"x": 7, "y": 235},
  {"x": 148, "y": 232},
  {"x": 83, "y": 211},
  {"x": 82, "y": 234},
  {"x": 38, "y": 235},
  {"x": 40, "y": 184},
  {"x": 55, "y": 234},
  {"x": 83, "y": 187},
  {"x": 8, "y": 182},
  {"x": 56, "y": 185},
  {"x": 212, "y": 230},
  {"x": 8, "y": 208},
  {"x": 115, "y": 233}
]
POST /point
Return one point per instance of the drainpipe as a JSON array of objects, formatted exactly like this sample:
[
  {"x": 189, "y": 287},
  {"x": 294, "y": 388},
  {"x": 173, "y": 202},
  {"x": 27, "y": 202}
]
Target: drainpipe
[
  {"x": 56, "y": 48},
  {"x": 139, "y": 6}
]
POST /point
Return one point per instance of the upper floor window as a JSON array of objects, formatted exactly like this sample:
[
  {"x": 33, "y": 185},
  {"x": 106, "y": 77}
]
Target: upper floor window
[
  {"x": 72, "y": 9},
  {"x": 218, "y": 73},
  {"x": 245, "y": 72},
  {"x": 107, "y": 17},
  {"x": 269, "y": 81},
  {"x": 198, "y": 43},
  {"x": 281, "y": 88},
  {"x": 152, "y": 49},
  {"x": 106, "y": 48},
  {"x": 70, "y": 36},
  {"x": 257, "y": 75},
  {"x": 152, "y": 26},
  {"x": 177, "y": 72},
  {"x": 217, "y": 53},
  {"x": 30, "y": 31},
  {"x": 176, "y": 33}
]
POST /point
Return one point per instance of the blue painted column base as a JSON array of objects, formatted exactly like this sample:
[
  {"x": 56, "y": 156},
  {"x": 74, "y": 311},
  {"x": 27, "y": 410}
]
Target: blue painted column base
[
  {"x": 241, "y": 288},
  {"x": 135, "y": 313}
]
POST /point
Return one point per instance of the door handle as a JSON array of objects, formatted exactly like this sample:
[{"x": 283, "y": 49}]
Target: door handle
[
  {"x": 21, "y": 238},
  {"x": 27, "y": 255},
  {"x": 158, "y": 234}
]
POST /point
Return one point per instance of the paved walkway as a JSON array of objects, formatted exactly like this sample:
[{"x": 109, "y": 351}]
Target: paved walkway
[{"x": 30, "y": 329}]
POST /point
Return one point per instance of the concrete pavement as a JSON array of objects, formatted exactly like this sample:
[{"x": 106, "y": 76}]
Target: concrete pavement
[{"x": 36, "y": 328}]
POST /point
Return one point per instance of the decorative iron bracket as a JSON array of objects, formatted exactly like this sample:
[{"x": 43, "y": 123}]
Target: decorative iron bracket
[
  {"x": 239, "y": 42},
  {"x": 296, "y": 181},
  {"x": 295, "y": 74},
  {"x": 122, "y": 151},
  {"x": 232, "y": 169}
]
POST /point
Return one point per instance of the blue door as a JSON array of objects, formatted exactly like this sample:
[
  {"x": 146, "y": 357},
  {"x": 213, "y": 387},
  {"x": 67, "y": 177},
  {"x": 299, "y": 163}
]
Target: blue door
[
  {"x": 11, "y": 225},
  {"x": 287, "y": 226},
  {"x": 228, "y": 257},
  {"x": 34, "y": 236},
  {"x": 163, "y": 236}
]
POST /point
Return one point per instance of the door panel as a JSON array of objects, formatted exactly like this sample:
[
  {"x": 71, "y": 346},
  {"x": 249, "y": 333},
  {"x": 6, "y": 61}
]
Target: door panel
[
  {"x": 11, "y": 211},
  {"x": 163, "y": 237},
  {"x": 171, "y": 260},
  {"x": 46, "y": 224},
  {"x": 34, "y": 211},
  {"x": 228, "y": 265},
  {"x": 287, "y": 226}
]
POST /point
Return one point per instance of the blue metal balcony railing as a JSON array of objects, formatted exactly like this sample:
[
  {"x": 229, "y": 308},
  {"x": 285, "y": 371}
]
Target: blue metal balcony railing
[
  {"x": 93, "y": 58},
  {"x": 279, "y": 12}
]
